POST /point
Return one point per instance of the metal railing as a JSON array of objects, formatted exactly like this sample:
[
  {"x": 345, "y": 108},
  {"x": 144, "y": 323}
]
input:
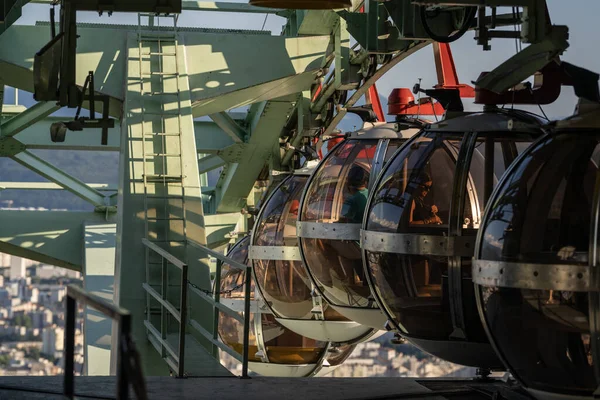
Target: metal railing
[
  {"x": 214, "y": 301},
  {"x": 158, "y": 339},
  {"x": 128, "y": 361}
]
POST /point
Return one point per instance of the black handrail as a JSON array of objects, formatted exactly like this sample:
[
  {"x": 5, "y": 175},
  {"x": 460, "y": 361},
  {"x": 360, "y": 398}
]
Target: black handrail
[{"x": 128, "y": 365}]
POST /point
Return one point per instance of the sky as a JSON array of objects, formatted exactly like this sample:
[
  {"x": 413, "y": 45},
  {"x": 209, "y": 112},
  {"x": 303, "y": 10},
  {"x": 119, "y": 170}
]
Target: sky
[{"x": 579, "y": 15}]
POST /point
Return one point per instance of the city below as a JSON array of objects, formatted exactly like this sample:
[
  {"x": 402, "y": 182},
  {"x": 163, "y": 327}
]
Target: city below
[
  {"x": 32, "y": 321},
  {"x": 32, "y": 318}
]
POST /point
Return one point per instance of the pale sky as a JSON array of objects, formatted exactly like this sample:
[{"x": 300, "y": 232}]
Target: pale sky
[{"x": 471, "y": 60}]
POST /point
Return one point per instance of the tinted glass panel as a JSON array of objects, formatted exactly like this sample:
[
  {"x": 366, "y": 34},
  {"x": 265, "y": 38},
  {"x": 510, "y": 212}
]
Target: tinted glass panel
[
  {"x": 338, "y": 194},
  {"x": 283, "y": 346},
  {"x": 415, "y": 197},
  {"x": 542, "y": 215},
  {"x": 284, "y": 284}
]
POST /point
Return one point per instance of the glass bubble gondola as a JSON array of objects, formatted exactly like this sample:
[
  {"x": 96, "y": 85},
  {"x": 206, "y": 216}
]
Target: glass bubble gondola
[
  {"x": 419, "y": 231},
  {"x": 280, "y": 273},
  {"x": 274, "y": 350},
  {"x": 535, "y": 265},
  {"x": 332, "y": 210}
]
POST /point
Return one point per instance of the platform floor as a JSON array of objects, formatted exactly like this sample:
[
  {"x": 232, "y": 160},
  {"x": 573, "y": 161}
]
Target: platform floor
[
  {"x": 198, "y": 362},
  {"x": 233, "y": 388}
]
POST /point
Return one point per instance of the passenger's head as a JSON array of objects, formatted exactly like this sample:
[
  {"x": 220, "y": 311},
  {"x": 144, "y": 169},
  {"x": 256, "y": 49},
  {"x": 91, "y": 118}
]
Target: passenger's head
[
  {"x": 358, "y": 177},
  {"x": 424, "y": 184}
]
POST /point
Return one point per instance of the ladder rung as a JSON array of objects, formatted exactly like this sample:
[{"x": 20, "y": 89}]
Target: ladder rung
[
  {"x": 157, "y": 15},
  {"x": 173, "y": 196},
  {"x": 160, "y": 53},
  {"x": 148, "y": 75},
  {"x": 160, "y": 178},
  {"x": 157, "y": 39},
  {"x": 148, "y": 94},
  {"x": 164, "y": 219},
  {"x": 161, "y": 114},
  {"x": 162, "y": 134},
  {"x": 161, "y": 155}
]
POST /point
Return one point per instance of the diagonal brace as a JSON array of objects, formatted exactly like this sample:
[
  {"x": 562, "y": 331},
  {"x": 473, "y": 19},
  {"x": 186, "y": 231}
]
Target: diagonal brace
[
  {"x": 57, "y": 176},
  {"x": 225, "y": 122},
  {"x": 24, "y": 120},
  {"x": 209, "y": 163}
]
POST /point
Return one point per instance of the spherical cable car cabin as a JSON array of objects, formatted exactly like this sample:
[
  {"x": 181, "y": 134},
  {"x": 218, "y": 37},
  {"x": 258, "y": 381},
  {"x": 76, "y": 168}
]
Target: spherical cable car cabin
[
  {"x": 274, "y": 349},
  {"x": 419, "y": 231},
  {"x": 536, "y": 260},
  {"x": 332, "y": 210},
  {"x": 281, "y": 276}
]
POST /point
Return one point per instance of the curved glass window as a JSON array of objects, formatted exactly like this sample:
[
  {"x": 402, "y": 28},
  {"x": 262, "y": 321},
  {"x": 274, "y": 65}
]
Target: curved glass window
[
  {"x": 541, "y": 215},
  {"x": 342, "y": 353},
  {"x": 338, "y": 193},
  {"x": 282, "y": 345},
  {"x": 284, "y": 284},
  {"x": 411, "y": 286},
  {"x": 414, "y": 197}
]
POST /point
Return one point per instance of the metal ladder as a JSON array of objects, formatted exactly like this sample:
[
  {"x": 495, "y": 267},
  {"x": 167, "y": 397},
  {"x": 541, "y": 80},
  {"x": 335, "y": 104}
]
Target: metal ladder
[{"x": 161, "y": 153}]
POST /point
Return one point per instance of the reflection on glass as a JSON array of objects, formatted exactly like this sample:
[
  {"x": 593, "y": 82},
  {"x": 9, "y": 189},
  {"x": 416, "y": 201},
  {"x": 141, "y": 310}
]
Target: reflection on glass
[
  {"x": 284, "y": 284},
  {"x": 542, "y": 215},
  {"x": 415, "y": 196},
  {"x": 282, "y": 345},
  {"x": 338, "y": 194}
]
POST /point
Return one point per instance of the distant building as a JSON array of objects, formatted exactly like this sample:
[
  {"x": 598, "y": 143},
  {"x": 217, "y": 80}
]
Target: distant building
[
  {"x": 41, "y": 319},
  {"x": 34, "y": 295},
  {"x": 18, "y": 268},
  {"x": 46, "y": 271},
  {"x": 52, "y": 339},
  {"x": 47, "y": 317},
  {"x": 4, "y": 260},
  {"x": 57, "y": 294},
  {"x": 4, "y": 298},
  {"x": 37, "y": 320}
]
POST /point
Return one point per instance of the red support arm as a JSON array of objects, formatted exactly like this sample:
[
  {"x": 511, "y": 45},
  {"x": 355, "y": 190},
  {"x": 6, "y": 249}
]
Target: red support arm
[{"x": 446, "y": 71}]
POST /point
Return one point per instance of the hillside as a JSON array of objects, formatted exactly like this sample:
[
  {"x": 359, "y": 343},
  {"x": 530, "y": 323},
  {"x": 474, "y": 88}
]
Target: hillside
[{"x": 89, "y": 167}]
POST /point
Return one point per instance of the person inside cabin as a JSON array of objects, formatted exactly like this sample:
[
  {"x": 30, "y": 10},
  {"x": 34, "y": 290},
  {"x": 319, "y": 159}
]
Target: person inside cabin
[
  {"x": 354, "y": 205},
  {"x": 422, "y": 213}
]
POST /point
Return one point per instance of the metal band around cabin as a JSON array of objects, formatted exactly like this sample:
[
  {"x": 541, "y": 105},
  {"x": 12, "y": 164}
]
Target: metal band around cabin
[
  {"x": 565, "y": 277},
  {"x": 323, "y": 230},
  {"x": 415, "y": 244},
  {"x": 281, "y": 253}
]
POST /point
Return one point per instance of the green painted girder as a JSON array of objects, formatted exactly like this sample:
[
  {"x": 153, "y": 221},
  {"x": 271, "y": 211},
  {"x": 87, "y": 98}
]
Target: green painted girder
[
  {"x": 229, "y": 126},
  {"x": 99, "y": 243},
  {"x": 230, "y": 71},
  {"x": 27, "y": 118},
  {"x": 218, "y": 228},
  {"x": 315, "y": 22},
  {"x": 266, "y": 122},
  {"x": 54, "y": 174},
  {"x": 13, "y": 14},
  {"x": 210, "y": 139},
  {"x": 211, "y": 6},
  {"x": 209, "y": 163},
  {"x": 51, "y": 237},
  {"x": 101, "y": 187},
  {"x": 225, "y": 70},
  {"x": 18, "y": 45},
  {"x": 38, "y": 137}
]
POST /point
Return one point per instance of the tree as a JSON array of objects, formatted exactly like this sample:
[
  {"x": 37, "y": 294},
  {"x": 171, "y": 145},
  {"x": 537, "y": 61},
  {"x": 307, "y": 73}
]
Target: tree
[
  {"x": 4, "y": 360},
  {"x": 33, "y": 353}
]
